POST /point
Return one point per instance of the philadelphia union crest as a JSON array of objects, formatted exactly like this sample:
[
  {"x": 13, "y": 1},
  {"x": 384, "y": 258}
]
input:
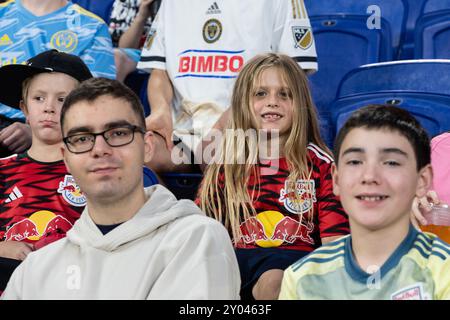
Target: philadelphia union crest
[
  {"x": 302, "y": 37},
  {"x": 212, "y": 30},
  {"x": 71, "y": 192}
]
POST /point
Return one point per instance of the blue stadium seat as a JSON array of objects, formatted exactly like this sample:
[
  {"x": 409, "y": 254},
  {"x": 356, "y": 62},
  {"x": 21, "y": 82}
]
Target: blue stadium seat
[
  {"x": 150, "y": 177},
  {"x": 183, "y": 185},
  {"x": 137, "y": 81},
  {"x": 435, "y": 5},
  {"x": 414, "y": 9},
  {"x": 423, "y": 76},
  {"x": 101, "y": 8},
  {"x": 432, "y": 35},
  {"x": 343, "y": 43},
  {"x": 419, "y": 86},
  {"x": 394, "y": 12}
]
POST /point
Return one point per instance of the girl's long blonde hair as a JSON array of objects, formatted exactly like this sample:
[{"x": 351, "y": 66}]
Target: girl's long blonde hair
[{"x": 230, "y": 202}]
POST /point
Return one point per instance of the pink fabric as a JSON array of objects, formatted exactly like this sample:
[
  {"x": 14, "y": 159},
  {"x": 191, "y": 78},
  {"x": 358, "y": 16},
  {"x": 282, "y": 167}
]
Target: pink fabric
[{"x": 440, "y": 160}]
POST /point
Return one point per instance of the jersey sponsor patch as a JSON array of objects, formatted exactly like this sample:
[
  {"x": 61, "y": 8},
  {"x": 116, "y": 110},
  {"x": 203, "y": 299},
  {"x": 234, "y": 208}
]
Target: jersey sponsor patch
[
  {"x": 65, "y": 41},
  {"x": 209, "y": 63},
  {"x": 414, "y": 292},
  {"x": 302, "y": 37},
  {"x": 5, "y": 40},
  {"x": 212, "y": 30},
  {"x": 71, "y": 192},
  {"x": 302, "y": 199}
]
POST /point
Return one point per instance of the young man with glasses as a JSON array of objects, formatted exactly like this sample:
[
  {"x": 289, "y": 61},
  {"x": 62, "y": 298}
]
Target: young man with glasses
[{"x": 130, "y": 242}]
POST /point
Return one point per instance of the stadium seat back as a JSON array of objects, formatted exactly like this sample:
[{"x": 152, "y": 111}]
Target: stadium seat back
[
  {"x": 435, "y": 5},
  {"x": 150, "y": 177},
  {"x": 427, "y": 76},
  {"x": 183, "y": 185},
  {"x": 392, "y": 11},
  {"x": 432, "y": 36},
  {"x": 419, "y": 86},
  {"x": 430, "y": 110}
]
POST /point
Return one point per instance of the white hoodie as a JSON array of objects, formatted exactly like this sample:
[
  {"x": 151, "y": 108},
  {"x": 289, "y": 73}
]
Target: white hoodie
[{"x": 168, "y": 250}]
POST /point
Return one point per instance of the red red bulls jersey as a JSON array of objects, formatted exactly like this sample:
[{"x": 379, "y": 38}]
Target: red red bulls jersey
[
  {"x": 39, "y": 201},
  {"x": 283, "y": 219}
]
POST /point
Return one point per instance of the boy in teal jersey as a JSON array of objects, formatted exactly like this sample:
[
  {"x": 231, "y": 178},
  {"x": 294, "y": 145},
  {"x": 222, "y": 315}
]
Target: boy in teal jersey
[{"x": 382, "y": 159}]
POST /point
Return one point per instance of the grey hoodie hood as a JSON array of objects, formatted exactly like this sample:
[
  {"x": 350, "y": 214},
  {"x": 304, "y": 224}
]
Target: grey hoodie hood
[{"x": 163, "y": 207}]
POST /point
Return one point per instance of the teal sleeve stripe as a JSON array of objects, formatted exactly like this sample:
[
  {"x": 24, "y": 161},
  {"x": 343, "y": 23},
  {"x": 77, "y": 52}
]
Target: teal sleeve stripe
[
  {"x": 422, "y": 253},
  {"x": 438, "y": 254},
  {"x": 439, "y": 243},
  {"x": 316, "y": 260}
]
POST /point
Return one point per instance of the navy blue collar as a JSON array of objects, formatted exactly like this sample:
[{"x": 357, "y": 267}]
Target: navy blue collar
[
  {"x": 355, "y": 271},
  {"x": 107, "y": 228}
]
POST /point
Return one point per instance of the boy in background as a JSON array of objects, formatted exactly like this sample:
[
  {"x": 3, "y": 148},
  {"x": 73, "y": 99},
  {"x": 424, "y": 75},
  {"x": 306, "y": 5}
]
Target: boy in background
[{"x": 39, "y": 199}]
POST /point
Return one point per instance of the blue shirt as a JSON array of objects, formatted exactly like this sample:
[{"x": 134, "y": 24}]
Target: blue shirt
[{"x": 70, "y": 29}]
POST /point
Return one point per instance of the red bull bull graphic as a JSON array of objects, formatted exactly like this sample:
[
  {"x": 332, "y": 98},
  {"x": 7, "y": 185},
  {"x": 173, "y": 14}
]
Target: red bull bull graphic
[
  {"x": 40, "y": 224},
  {"x": 21, "y": 230},
  {"x": 272, "y": 229},
  {"x": 71, "y": 192},
  {"x": 302, "y": 199}
]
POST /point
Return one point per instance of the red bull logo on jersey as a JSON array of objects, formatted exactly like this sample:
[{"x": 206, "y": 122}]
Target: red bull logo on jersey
[
  {"x": 71, "y": 192},
  {"x": 302, "y": 199},
  {"x": 271, "y": 229},
  {"x": 413, "y": 292},
  {"x": 37, "y": 225},
  {"x": 210, "y": 63}
]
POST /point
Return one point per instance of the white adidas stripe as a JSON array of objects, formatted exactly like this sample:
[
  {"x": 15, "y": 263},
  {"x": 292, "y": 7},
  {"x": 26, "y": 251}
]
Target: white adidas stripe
[{"x": 320, "y": 153}]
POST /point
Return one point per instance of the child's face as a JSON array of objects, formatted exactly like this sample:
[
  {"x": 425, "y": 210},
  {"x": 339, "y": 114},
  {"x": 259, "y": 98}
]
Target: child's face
[
  {"x": 377, "y": 178},
  {"x": 272, "y": 103},
  {"x": 46, "y": 94}
]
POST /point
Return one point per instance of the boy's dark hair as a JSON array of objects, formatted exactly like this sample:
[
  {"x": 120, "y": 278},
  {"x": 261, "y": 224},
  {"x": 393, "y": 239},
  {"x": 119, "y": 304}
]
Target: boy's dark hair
[
  {"x": 392, "y": 118},
  {"x": 94, "y": 88}
]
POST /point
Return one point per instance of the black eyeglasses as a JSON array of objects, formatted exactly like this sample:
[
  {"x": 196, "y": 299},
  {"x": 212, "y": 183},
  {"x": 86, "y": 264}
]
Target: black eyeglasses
[{"x": 114, "y": 137}]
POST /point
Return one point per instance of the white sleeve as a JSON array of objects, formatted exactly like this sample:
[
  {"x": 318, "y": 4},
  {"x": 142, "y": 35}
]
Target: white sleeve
[
  {"x": 204, "y": 266},
  {"x": 153, "y": 54},
  {"x": 293, "y": 30},
  {"x": 13, "y": 290}
]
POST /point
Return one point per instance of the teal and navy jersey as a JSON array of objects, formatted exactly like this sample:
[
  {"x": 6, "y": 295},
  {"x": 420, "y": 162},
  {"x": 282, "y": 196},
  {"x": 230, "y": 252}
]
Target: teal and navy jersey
[
  {"x": 70, "y": 29},
  {"x": 419, "y": 269}
]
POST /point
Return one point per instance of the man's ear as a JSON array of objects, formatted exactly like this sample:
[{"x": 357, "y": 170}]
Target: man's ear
[
  {"x": 425, "y": 181},
  {"x": 334, "y": 174},
  {"x": 149, "y": 146}
]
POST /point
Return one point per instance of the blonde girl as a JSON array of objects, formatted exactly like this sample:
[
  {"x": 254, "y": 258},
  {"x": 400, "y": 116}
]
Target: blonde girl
[{"x": 270, "y": 183}]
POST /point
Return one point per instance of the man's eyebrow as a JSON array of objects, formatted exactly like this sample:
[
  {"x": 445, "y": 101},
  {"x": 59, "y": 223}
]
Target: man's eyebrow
[
  {"x": 81, "y": 129},
  {"x": 115, "y": 124},
  {"x": 89, "y": 129}
]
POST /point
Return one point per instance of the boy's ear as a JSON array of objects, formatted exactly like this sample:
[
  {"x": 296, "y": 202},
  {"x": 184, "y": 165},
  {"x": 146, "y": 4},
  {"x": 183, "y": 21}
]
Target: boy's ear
[
  {"x": 425, "y": 181},
  {"x": 334, "y": 174},
  {"x": 24, "y": 108}
]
